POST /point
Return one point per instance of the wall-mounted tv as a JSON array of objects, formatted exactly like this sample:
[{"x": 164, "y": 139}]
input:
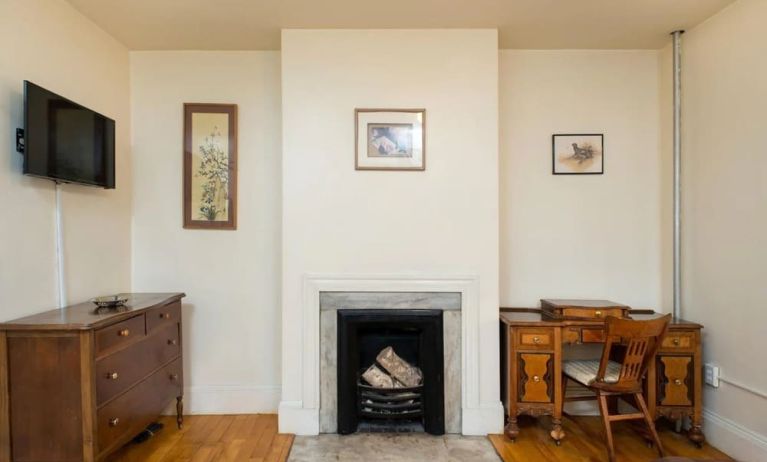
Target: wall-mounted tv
[{"x": 65, "y": 141}]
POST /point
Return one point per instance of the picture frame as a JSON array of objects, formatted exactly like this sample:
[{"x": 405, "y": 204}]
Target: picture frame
[
  {"x": 390, "y": 139},
  {"x": 210, "y": 166},
  {"x": 577, "y": 154}
]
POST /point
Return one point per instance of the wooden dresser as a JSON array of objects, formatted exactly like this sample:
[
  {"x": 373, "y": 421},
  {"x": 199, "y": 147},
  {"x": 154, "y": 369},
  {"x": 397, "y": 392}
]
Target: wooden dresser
[
  {"x": 532, "y": 350},
  {"x": 75, "y": 385}
]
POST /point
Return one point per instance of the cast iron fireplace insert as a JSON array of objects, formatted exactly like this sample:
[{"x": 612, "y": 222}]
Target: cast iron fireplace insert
[{"x": 416, "y": 336}]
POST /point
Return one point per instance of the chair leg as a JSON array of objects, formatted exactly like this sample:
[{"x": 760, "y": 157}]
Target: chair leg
[
  {"x": 603, "y": 409},
  {"x": 649, "y": 420}
]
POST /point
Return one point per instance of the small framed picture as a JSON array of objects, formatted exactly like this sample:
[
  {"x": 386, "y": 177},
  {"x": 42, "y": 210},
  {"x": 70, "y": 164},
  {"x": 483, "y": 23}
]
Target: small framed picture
[
  {"x": 577, "y": 154},
  {"x": 210, "y": 166},
  {"x": 390, "y": 139}
]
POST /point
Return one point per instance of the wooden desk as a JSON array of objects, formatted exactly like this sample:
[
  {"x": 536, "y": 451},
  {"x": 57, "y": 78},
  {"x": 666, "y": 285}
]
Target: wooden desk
[{"x": 531, "y": 367}]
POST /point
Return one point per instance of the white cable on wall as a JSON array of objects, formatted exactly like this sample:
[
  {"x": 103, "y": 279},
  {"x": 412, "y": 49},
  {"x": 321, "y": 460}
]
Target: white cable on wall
[{"x": 62, "y": 291}]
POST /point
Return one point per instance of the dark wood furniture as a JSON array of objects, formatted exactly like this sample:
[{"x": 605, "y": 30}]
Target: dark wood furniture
[
  {"x": 75, "y": 385},
  {"x": 532, "y": 347},
  {"x": 636, "y": 343}
]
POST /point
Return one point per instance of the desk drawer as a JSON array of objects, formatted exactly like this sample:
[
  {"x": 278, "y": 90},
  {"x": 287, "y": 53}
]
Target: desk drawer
[
  {"x": 157, "y": 318},
  {"x": 119, "y": 371},
  {"x": 593, "y": 335},
  {"x": 114, "y": 336},
  {"x": 592, "y": 313},
  {"x": 127, "y": 415},
  {"x": 679, "y": 341},
  {"x": 536, "y": 338}
]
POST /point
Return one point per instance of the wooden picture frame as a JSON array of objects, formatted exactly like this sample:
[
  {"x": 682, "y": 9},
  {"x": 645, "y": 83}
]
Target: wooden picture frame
[
  {"x": 409, "y": 155},
  {"x": 578, "y": 154},
  {"x": 210, "y": 166}
]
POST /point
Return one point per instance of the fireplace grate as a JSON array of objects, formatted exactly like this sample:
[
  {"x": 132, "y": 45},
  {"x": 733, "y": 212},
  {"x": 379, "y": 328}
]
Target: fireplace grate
[{"x": 389, "y": 403}]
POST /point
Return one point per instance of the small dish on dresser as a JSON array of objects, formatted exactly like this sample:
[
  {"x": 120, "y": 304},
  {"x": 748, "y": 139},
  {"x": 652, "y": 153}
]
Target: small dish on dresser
[{"x": 110, "y": 301}]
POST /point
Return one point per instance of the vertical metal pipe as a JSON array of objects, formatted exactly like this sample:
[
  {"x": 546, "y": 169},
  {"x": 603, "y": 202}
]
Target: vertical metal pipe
[{"x": 677, "y": 45}]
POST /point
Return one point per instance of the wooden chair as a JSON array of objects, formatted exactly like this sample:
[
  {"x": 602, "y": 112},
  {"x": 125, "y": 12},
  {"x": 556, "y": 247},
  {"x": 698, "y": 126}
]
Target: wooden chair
[{"x": 609, "y": 378}]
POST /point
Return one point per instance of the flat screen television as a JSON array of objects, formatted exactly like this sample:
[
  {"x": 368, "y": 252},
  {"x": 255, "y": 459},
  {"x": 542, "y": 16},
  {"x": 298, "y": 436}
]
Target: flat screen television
[{"x": 66, "y": 142}]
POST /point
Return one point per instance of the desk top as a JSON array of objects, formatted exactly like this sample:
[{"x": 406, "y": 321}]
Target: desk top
[
  {"x": 534, "y": 317},
  {"x": 83, "y": 316}
]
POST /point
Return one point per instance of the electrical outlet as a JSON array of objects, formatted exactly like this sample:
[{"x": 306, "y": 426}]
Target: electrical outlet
[{"x": 711, "y": 374}]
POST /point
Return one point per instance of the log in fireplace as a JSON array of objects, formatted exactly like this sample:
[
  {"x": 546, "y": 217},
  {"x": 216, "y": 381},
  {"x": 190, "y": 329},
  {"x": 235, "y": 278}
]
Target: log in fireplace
[{"x": 390, "y": 371}]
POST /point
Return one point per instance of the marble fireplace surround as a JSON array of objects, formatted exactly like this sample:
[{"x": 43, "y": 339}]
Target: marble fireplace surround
[
  {"x": 331, "y": 302},
  {"x": 301, "y": 414}
]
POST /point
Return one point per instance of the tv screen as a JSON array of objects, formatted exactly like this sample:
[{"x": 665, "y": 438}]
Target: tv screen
[{"x": 65, "y": 141}]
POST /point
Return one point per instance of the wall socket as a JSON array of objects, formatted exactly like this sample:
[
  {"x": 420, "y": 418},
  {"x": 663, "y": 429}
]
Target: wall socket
[{"x": 711, "y": 375}]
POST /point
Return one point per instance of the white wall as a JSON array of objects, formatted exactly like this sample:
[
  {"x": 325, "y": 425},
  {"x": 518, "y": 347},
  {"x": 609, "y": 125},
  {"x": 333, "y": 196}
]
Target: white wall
[
  {"x": 588, "y": 236},
  {"x": 340, "y": 221},
  {"x": 51, "y": 44},
  {"x": 231, "y": 278},
  {"x": 725, "y": 216}
]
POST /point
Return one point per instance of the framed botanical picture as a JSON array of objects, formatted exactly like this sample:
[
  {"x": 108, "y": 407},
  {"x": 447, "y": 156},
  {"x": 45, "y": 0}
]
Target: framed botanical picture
[
  {"x": 210, "y": 166},
  {"x": 577, "y": 154},
  {"x": 390, "y": 139}
]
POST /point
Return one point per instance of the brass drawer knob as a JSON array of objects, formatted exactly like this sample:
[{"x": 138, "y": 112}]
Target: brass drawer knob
[
  {"x": 172, "y": 341},
  {"x": 114, "y": 421},
  {"x": 675, "y": 341},
  {"x": 164, "y": 315},
  {"x": 677, "y": 382},
  {"x": 536, "y": 379},
  {"x": 124, "y": 333},
  {"x": 536, "y": 340},
  {"x": 113, "y": 375},
  {"x": 598, "y": 313},
  {"x": 174, "y": 377}
]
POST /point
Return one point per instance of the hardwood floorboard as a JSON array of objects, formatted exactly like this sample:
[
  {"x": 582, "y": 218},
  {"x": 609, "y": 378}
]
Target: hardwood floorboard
[
  {"x": 213, "y": 438},
  {"x": 584, "y": 442}
]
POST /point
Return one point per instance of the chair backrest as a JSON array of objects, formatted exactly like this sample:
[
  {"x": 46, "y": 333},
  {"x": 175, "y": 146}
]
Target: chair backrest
[{"x": 641, "y": 340}]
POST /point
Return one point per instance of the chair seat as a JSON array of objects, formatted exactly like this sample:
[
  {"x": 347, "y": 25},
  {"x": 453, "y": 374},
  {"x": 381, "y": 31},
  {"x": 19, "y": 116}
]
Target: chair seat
[{"x": 585, "y": 371}]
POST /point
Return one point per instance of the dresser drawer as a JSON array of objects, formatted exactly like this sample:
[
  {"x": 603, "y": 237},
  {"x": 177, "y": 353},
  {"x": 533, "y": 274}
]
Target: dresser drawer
[
  {"x": 536, "y": 338},
  {"x": 127, "y": 415},
  {"x": 156, "y": 318},
  {"x": 117, "y": 335},
  {"x": 119, "y": 371},
  {"x": 679, "y": 341}
]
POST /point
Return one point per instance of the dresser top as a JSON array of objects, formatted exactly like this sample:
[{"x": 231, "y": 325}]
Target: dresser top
[{"x": 84, "y": 316}]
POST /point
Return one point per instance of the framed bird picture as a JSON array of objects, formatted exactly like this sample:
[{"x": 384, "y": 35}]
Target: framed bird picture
[{"x": 577, "y": 154}]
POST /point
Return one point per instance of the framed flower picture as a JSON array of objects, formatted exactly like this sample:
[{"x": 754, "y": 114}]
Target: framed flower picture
[
  {"x": 210, "y": 166},
  {"x": 577, "y": 154},
  {"x": 390, "y": 139}
]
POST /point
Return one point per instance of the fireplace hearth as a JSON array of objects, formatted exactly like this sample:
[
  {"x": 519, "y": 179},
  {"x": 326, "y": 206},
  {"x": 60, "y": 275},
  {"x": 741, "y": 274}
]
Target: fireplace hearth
[{"x": 390, "y": 371}]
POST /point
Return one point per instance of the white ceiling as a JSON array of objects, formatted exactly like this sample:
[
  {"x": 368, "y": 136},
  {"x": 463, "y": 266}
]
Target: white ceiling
[{"x": 256, "y": 24}]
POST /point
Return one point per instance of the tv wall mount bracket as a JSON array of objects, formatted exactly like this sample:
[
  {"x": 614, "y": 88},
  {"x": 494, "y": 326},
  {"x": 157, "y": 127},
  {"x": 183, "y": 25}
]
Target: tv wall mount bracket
[{"x": 20, "y": 140}]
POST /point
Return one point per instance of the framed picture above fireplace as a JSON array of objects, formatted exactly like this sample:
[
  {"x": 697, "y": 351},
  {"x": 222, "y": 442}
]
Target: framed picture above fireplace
[{"x": 390, "y": 139}]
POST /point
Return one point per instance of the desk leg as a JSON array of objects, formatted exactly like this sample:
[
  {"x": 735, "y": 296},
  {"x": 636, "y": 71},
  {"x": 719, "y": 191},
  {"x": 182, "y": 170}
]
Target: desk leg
[
  {"x": 556, "y": 430},
  {"x": 559, "y": 393},
  {"x": 512, "y": 429}
]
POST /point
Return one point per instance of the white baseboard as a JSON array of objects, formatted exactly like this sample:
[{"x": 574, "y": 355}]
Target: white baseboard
[
  {"x": 733, "y": 439},
  {"x": 230, "y": 399},
  {"x": 483, "y": 420},
  {"x": 293, "y": 418}
]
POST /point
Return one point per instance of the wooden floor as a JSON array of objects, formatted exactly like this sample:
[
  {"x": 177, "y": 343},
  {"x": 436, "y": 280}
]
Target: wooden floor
[
  {"x": 246, "y": 438},
  {"x": 254, "y": 438},
  {"x": 584, "y": 442}
]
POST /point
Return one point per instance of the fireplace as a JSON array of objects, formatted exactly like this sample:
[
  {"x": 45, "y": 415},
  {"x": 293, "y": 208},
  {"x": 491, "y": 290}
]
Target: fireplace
[{"x": 416, "y": 338}]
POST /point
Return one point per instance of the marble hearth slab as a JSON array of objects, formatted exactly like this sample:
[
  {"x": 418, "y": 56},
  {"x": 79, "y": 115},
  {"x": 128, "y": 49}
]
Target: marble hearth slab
[{"x": 412, "y": 447}]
